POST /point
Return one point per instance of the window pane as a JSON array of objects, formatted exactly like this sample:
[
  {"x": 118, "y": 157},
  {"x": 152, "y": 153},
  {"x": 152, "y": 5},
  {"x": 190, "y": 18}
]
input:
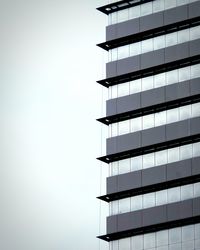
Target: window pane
[
  {"x": 148, "y": 121},
  {"x": 172, "y": 77},
  {"x": 123, "y": 89},
  {"x": 183, "y": 36},
  {"x": 170, "y": 4},
  {"x": 195, "y": 71},
  {"x": 172, "y": 115},
  {"x": 185, "y": 112},
  {"x": 136, "y": 163},
  {"x": 187, "y": 192},
  {"x": 174, "y": 235},
  {"x": 184, "y": 74},
  {"x": 124, "y": 205},
  {"x": 175, "y": 246},
  {"x": 137, "y": 242},
  {"x": 124, "y": 166},
  {"x": 146, "y": 9},
  {"x": 160, "y": 118},
  {"x": 124, "y": 127},
  {"x": 196, "y": 149},
  {"x": 136, "y": 202},
  {"x": 161, "y": 197},
  {"x": 149, "y": 240},
  {"x": 158, "y": 5},
  {"x": 122, "y": 15},
  {"x": 123, "y": 52},
  {"x": 159, "y": 80},
  {"x": 149, "y": 200},
  {"x": 147, "y": 45},
  {"x": 136, "y": 124},
  {"x": 197, "y": 189},
  {"x": 159, "y": 42},
  {"x": 196, "y": 109},
  {"x": 134, "y": 12},
  {"x": 197, "y": 231},
  {"x": 135, "y": 49},
  {"x": 195, "y": 33},
  {"x": 114, "y": 91},
  {"x": 125, "y": 244},
  {"x": 188, "y": 233},
  {"x": 135, "y": 86},
  {"x": 173, "y": 155},
  {"x": 115, "y": 207},
  {"x": 174, "y": 194},
  {"x": 162, "y": 238},
  {"x": 147, "y": 83},
  {"x": 185, "y": 152},
  {"x": 148, "y": 160},
  {"x": 114, "y": 167},
  {"x": 161, "y": 157},
  {"x": 171, "y": 39},
  {"x": 188, "y": 245},
  {"x": 114, "y": 54},
  {"x": 114, "y": 129}
]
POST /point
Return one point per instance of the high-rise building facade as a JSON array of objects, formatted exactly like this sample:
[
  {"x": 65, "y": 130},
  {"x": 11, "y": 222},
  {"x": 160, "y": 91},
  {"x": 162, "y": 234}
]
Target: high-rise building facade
[{"x": 153, "y": 117}]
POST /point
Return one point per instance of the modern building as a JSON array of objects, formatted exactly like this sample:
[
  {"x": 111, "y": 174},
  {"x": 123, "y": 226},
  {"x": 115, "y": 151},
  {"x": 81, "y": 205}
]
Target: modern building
[{"x": 153, "y": 116}]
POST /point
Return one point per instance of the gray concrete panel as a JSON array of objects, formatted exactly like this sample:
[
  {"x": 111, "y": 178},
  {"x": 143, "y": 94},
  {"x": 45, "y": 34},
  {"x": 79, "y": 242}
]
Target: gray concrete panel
[
  {"x": 196, "y": 206},
  {"x": 151, "y": 21},
  {"x": 177, "y": 170},
  {"x": 128, "y": 65},
  {"x": 177, "y": 130},
  {"x": 171, "y": 92},
  {"x": 111, "y": 223},
  {"x": 154, "y": 215},
  {"x": 111, "y": 69},
  {"x": 152, "y": 97},
  {"x": 128, "y": 103},
  {"x": 175, "y": 15},
  {"x": 128, "y": 28},
  {"x": 194, "y": 47},
  {"x": 152, "y": 59},
  {"x": 112, "y": 184},
  {"x": 111, "y": 32},
  {"x": 153, "y": 175},
  {"x": 196, "y": 166},
  {"x": 153, "y": 136},
  {"x": 129, "y": 141},
  {"x": 111, "y": 145},
  {"x": 124, "y": 222},
  {"x": 184, "y": 89},
  {"x": 174, "y": 211},
  {"x": 130, "y": 181},
  {"x": 111, "y": 107},
  {"x": 195, "y": 126},
  {"x": 195, "y": 86},
  {"x": 186, "y": 209},
  {"x": 194, "y": 9}
]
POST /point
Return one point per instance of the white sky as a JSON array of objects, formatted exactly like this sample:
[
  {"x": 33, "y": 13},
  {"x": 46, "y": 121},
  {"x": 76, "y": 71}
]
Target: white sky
[{"x": 49, "y": 138}]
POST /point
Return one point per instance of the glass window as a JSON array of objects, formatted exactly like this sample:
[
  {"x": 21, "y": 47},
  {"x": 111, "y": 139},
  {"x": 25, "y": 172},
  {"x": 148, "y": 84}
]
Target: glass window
[
  {"x": 124, "y": 205},
  {"x": 134, "y": 12},
  {"x": 136, "y": 124},
  {"x": 147, "y": 83},
  {"x": 123, "y": 52},
  {"x": 174, "y": 194},
  {"x": 172, "y": 115},
  {"x": 185, "y": 112},
  {"x": 183, "y": 36},
  {"x": 149, "y": 240},
  {"x": 162, "y": 238},
  {"x": 114, "y": 53},
  {"x": 124, "y": 166},
  {"x": 158, "y": 42},
  {"x": 149, "y": 200},
  {"x": 174, "y": 235},
  {"x": 125, "y": 244},
  {"x": 160, "y": 118},
  {"x": 135, "y": 86},
  {"x": 186, "y": 152},
  {"x": 176, "y": 246},
  {"x": 114, "y": 91},
  {"x": 182, "y": 2},
  {"x": 147, "y": 45},
  {"x": 197, "y": 231},
  {"x": 114, "y": 167},
  {"x": 159, "y": 80},
  {"x": 114, "y": 128},
  {"x": 124, "y": 127},
  {"x": 172, "y": 77},
  {"x": 161, "y": 157},
  {"x": 188, "y": 233},
  {"x": 162, "y": 248},
  {"x": 158, "y": 5},
  {"x": 115, "y": 207},
  {"x": 173, "y": 154},
  {"x": 171, "y": 39},
  {"x": 135, "y": 49},
  {"x": 114, "y": 17},
  {"x": 197, "y": 189},
  {"x": 184, "y": 74},
  {"x": 136, "y": 202},
  {"x": 195, "y": 32},
  {"x": 136, "y": 163},
  {"x": 148, "y": 160},
  {"x": 146, "y": 9},
  {"x": 196, "y": 109},
  {"x": 148, "y": 121},
  {"x": 123, "y": 89},
  {"x": 161, "y": 197},
  {"x": 196, "y": 149},
  {"x": 195, "y": 71},
  {"x": 197, "y": 244},
  {"x": 137, "y": 242},
  {"x": 122, "y": 15},
  {"x": 170, "y": 4},
  {"x": 188, "y": 245},
  {"x": 187, "y": 192}
]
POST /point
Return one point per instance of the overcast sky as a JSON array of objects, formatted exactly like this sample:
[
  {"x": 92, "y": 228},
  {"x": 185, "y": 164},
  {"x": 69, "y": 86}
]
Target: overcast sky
[{"x": 49, "y": 138}]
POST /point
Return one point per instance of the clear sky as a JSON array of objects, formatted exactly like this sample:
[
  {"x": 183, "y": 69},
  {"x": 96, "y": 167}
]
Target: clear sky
[{"x": 49, "y": 138}]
